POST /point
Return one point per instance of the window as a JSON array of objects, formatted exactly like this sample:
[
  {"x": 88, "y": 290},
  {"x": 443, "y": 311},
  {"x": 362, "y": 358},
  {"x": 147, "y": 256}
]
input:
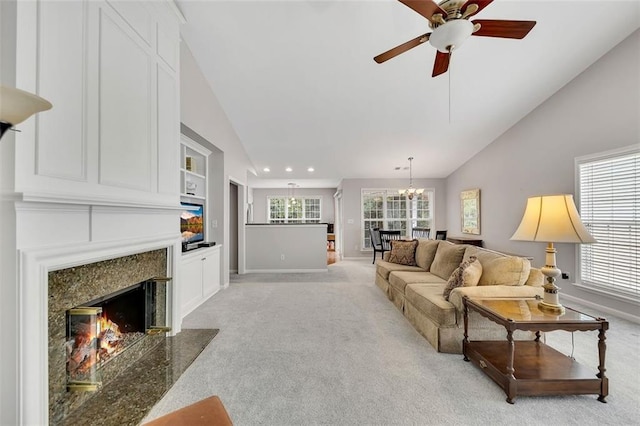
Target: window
[
  {"x": 387, "y": 209},
  {"x": 609, "y": 203},
  {"x": 294, "y": 210}
]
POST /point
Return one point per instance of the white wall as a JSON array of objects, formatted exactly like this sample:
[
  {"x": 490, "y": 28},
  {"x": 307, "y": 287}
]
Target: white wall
[
  {"x": 201, "y": 111},
  {"x": 352, "y": 208},
  {"x": 286, "y": 248},
  {"x": 260, "y": 195},
  {"x": 599, "y": 110}
]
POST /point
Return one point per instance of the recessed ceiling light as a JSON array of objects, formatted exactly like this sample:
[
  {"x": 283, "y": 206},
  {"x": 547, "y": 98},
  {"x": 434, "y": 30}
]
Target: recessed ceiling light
[
  {"x": 266, "y": 169},
  {"x": 310, "y": 169},
  {"x": 288, "y": 169}
]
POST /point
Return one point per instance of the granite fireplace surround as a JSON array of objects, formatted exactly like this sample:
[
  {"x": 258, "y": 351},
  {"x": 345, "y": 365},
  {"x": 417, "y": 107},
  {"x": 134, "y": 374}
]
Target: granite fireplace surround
[{"x": 71, "y": 287}]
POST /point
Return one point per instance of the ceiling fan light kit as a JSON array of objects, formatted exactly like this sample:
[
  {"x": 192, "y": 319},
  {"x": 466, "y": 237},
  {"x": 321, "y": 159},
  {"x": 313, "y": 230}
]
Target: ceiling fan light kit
[
  {"x": 451, "y": 35},
  {"x": 451, "y": 27}
]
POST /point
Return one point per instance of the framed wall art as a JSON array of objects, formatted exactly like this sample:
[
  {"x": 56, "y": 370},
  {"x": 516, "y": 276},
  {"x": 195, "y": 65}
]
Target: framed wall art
[{"x": 470, "y": 211}]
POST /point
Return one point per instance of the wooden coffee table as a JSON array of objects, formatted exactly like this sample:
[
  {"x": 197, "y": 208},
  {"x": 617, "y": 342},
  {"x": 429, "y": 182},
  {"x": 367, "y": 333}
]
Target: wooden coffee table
[{"x": 531, "y": 367}]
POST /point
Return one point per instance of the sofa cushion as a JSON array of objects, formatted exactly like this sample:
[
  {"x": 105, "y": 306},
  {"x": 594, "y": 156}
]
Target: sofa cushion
[
  {"x": 500, "y": 269},
  {"x": 403, "y": 252},
  {"x": 460, "y": 277},
  {"x": 428, "y": 299},
  {"x": 447, "y": 259},
  {"x": 509, "y": 270},
  {"x": 384, "y": 268},
  {"x": 400, "y": 279},
  {"x": 425, "y": 252}
]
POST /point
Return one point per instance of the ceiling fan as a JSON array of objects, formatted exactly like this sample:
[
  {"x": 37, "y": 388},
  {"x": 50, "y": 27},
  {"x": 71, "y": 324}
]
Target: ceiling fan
[{"x": 451, "y": 27}]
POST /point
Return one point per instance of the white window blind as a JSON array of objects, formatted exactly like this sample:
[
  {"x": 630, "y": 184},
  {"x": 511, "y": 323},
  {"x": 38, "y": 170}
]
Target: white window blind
[{"x": 609, "y": 191}]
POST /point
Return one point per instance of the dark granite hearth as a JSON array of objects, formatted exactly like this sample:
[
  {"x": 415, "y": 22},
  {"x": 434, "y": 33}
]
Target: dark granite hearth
[{"x": 127, "y": 399}]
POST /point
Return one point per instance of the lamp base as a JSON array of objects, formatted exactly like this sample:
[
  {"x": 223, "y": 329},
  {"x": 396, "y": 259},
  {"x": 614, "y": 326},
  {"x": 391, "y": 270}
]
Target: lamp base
[{"x": 551, "y": 309}]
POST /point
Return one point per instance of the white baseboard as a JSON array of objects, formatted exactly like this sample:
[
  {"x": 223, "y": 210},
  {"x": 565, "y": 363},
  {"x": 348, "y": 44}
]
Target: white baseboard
[{"x": 605, "y": 309}]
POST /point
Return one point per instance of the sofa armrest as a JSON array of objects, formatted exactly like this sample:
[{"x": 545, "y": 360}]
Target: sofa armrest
[
  {"x": 491, "y": 291},
  {"x": 385, "y": 256}
]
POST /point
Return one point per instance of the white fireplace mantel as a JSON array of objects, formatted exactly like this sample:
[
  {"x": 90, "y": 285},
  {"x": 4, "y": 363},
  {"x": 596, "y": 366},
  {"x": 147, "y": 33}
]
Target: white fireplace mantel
[{"x": 34, "y": 267}]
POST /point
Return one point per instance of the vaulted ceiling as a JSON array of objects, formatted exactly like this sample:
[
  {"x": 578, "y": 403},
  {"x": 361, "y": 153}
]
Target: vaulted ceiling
[{"x": 298, "y": 82}]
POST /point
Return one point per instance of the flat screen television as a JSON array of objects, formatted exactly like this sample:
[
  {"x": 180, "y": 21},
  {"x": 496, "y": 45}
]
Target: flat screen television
[{"x": 192, "y": 222}]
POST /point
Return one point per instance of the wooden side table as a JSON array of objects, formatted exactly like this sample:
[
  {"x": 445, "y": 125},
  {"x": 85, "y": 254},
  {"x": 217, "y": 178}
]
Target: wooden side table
[{"x": 532, "y": 367}]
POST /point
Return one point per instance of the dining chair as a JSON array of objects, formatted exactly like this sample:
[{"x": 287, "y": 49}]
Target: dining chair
[
  {"x": 441, "y": 235},
  {"x": 386, "y": 237},
  {"x": 420, "y": 232},
  {"x": 376, "y": 243}
]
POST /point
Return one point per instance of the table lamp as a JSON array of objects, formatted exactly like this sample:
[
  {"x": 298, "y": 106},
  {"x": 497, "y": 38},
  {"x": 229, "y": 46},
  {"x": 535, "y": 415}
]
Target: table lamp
[
  {"x": 17, "y": 105},
  {"x": 552, "y": 219}
]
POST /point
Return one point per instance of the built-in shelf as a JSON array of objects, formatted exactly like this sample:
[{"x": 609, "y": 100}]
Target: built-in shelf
[
  {"x": 188, "y": 173},
  {"x": 187, "y": 196},
  {"x": 193, "y": 169}
]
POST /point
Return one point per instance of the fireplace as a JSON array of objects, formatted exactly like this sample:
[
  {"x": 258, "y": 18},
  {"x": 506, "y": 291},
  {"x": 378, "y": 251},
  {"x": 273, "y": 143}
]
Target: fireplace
[
  {"x": 101, "y": 329},
  {"x": 122, "y": 303}
]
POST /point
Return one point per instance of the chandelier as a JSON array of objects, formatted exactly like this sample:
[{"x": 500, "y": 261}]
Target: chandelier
[
  {"x": 411, "y": 191},
  {"x": 291, "y": 194}
]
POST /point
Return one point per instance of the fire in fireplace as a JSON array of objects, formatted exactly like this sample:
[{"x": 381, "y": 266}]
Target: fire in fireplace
[{"x": 103, "y": 328}]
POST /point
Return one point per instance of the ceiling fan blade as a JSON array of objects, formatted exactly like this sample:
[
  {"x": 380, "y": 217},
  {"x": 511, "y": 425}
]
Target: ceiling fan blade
[
  {"x": 441, "y": 65},
  {"x": 392, "y": 53},
  {"x": 425, "y": 8},
  {"x": 503, "y": 29},
  {"x": 473, "y": 7}
]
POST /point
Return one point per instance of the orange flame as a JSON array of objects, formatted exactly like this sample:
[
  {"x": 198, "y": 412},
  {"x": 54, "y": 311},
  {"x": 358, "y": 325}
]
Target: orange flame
[{"x": 108, "y": 328}]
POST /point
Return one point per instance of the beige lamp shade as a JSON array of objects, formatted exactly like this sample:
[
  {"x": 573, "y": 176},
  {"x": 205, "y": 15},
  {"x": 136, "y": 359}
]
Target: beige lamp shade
[
  {"x": 17, "y": 105},
  {"x": 552, "y": 218}
]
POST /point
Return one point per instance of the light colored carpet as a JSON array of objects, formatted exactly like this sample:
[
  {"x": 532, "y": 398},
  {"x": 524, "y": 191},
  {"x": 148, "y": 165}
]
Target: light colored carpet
[{"x": 330, "y": 349}]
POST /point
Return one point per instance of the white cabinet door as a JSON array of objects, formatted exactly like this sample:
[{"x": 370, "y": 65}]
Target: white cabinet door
[
  {"x": 190, "y": 284},
  {"x": 199, "y": 277},
  {"x": 211, "y": 272}
]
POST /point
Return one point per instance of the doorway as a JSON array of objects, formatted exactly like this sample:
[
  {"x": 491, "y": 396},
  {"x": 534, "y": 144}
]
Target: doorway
[{"x": 233, "y": 228}]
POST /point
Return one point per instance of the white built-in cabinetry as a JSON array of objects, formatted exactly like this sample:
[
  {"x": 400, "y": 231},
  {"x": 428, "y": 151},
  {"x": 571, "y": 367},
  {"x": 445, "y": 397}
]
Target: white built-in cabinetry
[
  {"x": 199, "y": 277},
  {"x": 199, "y": 268}
]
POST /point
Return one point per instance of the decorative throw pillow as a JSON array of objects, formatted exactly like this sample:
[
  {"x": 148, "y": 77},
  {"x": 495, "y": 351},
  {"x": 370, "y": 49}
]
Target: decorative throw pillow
[
  {"x": 472, "y": 273},
  {"x": 457, "y": 276},
  {"x": 403, "y": 252}
]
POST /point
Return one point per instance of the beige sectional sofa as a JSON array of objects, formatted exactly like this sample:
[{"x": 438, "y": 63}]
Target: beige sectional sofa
[{"x": 417, "y": 291}]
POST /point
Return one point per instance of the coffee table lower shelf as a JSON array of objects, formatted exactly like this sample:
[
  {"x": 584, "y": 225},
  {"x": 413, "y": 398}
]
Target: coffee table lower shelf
[{"x": 538, "y": 369}]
